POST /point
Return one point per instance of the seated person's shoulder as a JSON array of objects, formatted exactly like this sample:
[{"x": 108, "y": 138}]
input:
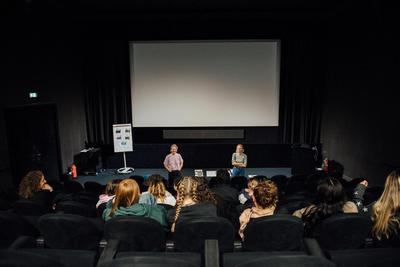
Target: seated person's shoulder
[
  {"x": 350, "y": 207},
  {"x": 299, "y": 213}
]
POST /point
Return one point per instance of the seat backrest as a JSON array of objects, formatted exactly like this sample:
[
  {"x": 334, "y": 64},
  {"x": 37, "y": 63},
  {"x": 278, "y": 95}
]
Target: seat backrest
[
  {"x": 276, "y": 232},
  {"x": 29, "y": 208},
  {"x": 69, "y": 231},
  {"x": 280, "y": 181},
  {"x": 72, "y": 187},
  {"x": 94, "y": 187},
  {"x": 366, "y": 257},
  {"x": 276, "y": 260},
  {"x": 164, "y": 259},
  {"x": 13, "y": 226},
  {"x": 75, "y": 207},
  {"x": 343, "y": 231},
  {"x": 136, "y": 233},
  {"x": 15, "y": 258},
  {"x": 190, "y": 234}
]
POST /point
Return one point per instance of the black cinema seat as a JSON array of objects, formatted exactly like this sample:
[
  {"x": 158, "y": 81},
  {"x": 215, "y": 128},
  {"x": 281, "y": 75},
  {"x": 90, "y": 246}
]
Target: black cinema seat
[
  {"x": 190, "y": 235},
  {"x": 279, "y": 232}
]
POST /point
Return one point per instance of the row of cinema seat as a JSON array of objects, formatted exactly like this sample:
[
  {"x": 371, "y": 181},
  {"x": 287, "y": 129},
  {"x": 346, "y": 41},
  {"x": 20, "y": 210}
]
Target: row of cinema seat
[
  {"x": 211, "y": 257},
  {"x": 77, "y": 241}
]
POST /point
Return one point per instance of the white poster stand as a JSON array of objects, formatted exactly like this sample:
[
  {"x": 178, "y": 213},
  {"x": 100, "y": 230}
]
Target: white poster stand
[{"x": 122, "y": 135}]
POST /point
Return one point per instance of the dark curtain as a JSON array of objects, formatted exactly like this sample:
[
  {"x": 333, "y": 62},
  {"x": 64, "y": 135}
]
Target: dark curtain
[
  {"x": 107, "y": 88},
  {"x": 302, "y": 81}
]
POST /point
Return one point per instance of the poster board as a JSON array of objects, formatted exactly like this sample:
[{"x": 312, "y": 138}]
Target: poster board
[{"x": 122, "y": 135}]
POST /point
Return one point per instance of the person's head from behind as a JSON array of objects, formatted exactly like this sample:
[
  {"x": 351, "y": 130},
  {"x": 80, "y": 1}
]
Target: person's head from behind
[
  {"x": 31, "y": 183},
  {"x": 330, "y": 192},
  {"x": 265, "y": 195},
  {"x": 126, "y": 195},
  {"x": 335, "y": 169},
  {"x": 187, "y": 193},
  {"x": 239, "y": 149},
  {"x": 386, "y": 206},
  {"x": 222, "y": 176},
  {"x": 173, "y": 149},
  {"x": 252, "y": 183},
  {"x": 111, "y": 187},
  {"x": 156, "y": 186},
  {"x": 204, "y": 193}
]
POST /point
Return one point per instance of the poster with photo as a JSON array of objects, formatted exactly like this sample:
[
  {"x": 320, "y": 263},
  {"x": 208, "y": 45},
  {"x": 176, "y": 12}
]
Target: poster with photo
[{"x": 122, "y": 135}]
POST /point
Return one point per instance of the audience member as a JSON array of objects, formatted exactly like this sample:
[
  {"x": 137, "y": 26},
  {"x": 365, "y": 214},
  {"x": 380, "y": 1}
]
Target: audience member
[
  {"x": 246, "y": 194},
  {"x": 188, "y": 204},
  {"x": 222, "y": 188},
  {"x": 126, "y": 203},
  {"x": 386, "y": 213},
  {"x": 34, "y": 187},
  {"x": 330, "y": 199},
  {"x": 156, "y": 187},
  {"x": 109, "y": 192},
  {"x": 265, "y": 198}
]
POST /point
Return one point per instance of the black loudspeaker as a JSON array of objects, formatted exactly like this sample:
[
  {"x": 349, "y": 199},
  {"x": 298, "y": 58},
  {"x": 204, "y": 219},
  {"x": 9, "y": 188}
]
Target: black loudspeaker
[
  {"x": 33, "y": 140},
  {"x": 303, "y": 160}
]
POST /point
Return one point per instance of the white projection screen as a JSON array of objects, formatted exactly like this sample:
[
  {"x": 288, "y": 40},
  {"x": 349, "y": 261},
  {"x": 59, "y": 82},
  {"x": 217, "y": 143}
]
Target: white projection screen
[{"x": 205, "y": 83}]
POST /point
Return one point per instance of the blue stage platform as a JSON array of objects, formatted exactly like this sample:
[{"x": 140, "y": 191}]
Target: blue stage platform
[{"x": 106, "y": 175}]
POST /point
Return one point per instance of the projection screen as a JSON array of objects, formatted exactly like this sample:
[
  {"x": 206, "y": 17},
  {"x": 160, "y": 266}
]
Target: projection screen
[{"x": 205, "y": 83}]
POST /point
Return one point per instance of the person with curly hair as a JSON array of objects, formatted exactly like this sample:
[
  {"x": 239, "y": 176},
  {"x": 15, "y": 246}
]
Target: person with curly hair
[
  {"x": 265, "y": 198},
  {"x": 156, "y": 187},
  {"x": 188, "y": 203},
  {"x": 34, "y": 186},
  {"x": 330, "y": 199},
  {"x": 126, "y": 203}
]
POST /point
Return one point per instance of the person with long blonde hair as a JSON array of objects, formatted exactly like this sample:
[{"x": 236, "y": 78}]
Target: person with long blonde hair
[
  {"x": 189, "y": 204},
  {"x": 386, "y": 213},
  {"x": 156, "y": 188},
  {"x": 126, "y": 203}
]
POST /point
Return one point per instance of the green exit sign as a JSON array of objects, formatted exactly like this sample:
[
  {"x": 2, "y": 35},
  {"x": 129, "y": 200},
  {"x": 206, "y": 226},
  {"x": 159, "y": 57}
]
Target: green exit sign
[{"x": 33, "y": 95}]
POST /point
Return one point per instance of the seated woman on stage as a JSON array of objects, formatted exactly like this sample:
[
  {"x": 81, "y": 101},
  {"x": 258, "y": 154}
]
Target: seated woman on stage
[
  {"x": 126, "y": 203},
  {"x": 265, "y": 198},
  {"x": 188, "y": 202},
  {"x": 35, "y": 187},
  {"x": 330, "y": 200},
  {"x": 156, "y": 187},
  {"x": 239, "y": 161},
  {"x": 386, "y": 213}
]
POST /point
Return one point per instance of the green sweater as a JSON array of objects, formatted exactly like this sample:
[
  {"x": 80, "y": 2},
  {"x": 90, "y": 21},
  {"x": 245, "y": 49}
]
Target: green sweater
[{"x": 154, "y": 212}]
